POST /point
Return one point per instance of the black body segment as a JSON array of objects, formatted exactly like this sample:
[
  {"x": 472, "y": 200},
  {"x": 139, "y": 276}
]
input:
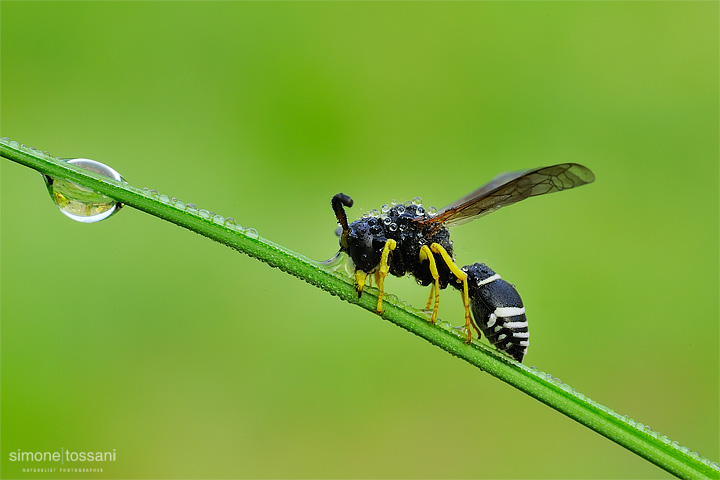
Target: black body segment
[
  {"x": 498, "y": 310},
  {"x": 367, "y": 236}
]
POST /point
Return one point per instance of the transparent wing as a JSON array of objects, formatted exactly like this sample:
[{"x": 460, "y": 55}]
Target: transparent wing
[{"x": 511, "y": 188}]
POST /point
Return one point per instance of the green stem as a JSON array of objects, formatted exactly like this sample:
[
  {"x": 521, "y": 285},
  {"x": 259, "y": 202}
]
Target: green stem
[{"x": 650, "y": 445}]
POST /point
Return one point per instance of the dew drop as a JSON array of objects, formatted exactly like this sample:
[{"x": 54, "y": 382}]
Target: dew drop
[
  {"x": 417, "y": 201},
  {"x": 385, "y": 208},
  {"x": 190, "y": 207},
  {"x": 420, "y": 211},
  {"x": 401, "y": 209},
  {"x": 387, "y": 220},
  {"x": 80, "y": 203},
  {"x": 164, "y": 198},
  {"x": 393, "y": 227},
  {"x": 374, "y": 212},
  {"x": 251, "y": 232},
  {"x": 230, "y": 222},
  {"x": 204, "y": 213},
  {"x": 432, "y": 211},
  {"x": 219, "y": 219},
  {"x": 179, "y": 204}
]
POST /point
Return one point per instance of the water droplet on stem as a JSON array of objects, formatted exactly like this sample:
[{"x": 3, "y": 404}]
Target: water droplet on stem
[{"x": 80, "y": 203}]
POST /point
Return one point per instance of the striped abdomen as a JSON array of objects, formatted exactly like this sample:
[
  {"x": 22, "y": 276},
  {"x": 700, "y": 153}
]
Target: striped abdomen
[{"x": 498, "y": 310}]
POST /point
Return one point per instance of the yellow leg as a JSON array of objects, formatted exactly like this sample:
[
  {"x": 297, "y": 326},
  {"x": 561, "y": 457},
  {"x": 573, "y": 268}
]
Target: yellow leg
[
  {"x": 430, "y": 297},
  {"x": 360, "y": 278},
  {"x": 462, "y": 277},
  {"x": 426, "y": 254},
  {"x": 383, "y": 271}
]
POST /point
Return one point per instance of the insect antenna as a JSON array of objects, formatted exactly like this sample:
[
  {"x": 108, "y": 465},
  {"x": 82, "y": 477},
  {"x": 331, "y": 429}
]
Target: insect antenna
[{"x": 337, "y": 205}]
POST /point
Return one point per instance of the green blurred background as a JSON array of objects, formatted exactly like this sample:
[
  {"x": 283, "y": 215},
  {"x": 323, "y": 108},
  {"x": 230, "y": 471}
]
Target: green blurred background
[{"x": 193, "y": 361}]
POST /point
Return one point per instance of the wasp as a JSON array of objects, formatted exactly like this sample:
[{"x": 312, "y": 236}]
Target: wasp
[{"x": 407, "y": 239}]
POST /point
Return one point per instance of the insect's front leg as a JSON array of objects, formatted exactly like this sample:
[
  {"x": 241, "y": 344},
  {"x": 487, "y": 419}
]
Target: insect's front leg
[{"x": 360, "y": 279}]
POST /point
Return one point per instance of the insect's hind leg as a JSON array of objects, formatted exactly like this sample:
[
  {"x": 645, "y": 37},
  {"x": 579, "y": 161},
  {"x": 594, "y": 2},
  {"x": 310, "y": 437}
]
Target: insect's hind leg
[
  {"x": 383, "y": 270},
  {"x": 426, "y": 254},
  {"x": 462, "y": 277}
]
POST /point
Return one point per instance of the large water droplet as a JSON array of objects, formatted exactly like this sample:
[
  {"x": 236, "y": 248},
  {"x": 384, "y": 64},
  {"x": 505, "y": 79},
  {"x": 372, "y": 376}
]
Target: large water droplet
[{"x": 80, "y": 203}]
